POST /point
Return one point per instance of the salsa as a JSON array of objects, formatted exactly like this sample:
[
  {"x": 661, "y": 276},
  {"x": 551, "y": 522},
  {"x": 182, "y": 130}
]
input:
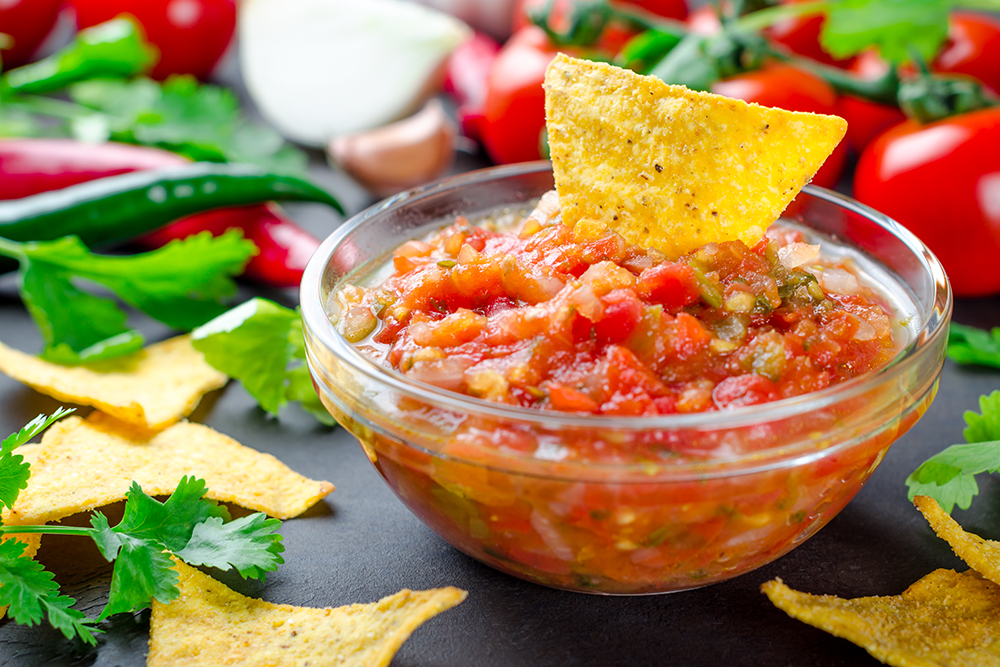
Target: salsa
[
  {"x": 539, "y": 315},
  {"x": 583, "y": 329}
]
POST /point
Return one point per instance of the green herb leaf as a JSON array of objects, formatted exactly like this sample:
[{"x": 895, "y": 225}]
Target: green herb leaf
[
  {"x": 969, "y": 345},
  {"x": 203, "y": 122},
  {"x": 261, "y": 344},
  {"x": 950, "y": 476},
  {"x": 139, "y": 544},
  {"x": 30, "y": 592},
  {"x": 250, "y": 544},
  {"x": 79, "y": 327},
  {"x": 891, "y": 26},
  {"x": 14, "y": 472}
]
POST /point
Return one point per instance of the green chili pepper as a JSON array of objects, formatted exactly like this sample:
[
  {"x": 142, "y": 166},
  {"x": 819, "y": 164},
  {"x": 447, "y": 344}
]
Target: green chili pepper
[
  {"x": 121, "y": 207},
  {"x": 112, "y": 49}
]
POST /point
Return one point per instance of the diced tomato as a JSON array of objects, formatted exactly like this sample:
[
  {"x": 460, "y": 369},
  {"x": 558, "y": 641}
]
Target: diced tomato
[
  {"x": 744, "y": 390},
  {"x": 672, "y": 285}
]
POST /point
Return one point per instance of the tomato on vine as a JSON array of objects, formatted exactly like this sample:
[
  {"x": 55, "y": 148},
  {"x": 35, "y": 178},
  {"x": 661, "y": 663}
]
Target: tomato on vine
[{"x": 191, "y": 35}]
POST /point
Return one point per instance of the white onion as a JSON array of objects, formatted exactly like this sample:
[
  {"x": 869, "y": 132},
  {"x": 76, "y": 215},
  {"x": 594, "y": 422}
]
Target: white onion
[
  {"x": 838, "y": 281},
  {"x": 318, "y": 69},
  {"x": 794, "y": 255}
]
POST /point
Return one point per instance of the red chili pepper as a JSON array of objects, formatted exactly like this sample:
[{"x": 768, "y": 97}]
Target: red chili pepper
[{"x": 31, "y": 166}]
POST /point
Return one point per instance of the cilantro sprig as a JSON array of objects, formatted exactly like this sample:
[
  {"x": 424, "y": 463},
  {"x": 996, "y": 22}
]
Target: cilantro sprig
[
  {"x": 969, "y": 345},
  {"x": 950, "y": 476},
  {"x": 261, "y": 343},
  {"x": 79, "y": 326},
  {"x": 142, "y": 546}
]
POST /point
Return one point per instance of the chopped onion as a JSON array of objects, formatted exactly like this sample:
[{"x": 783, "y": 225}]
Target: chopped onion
[
  {"x": 839, "y": 281},
  {"x": 794, "y": 255},
  {"x": 447, "y": 373}
]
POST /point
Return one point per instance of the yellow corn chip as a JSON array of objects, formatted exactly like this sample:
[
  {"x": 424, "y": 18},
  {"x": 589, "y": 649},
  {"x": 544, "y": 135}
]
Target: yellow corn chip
[
  {"x": 671, "y": 168},
  {"x": 210, "y": 624},
  {"x": 81, "y": 465},
  {"x": 946, "y": 618},
  {"x": 981, "y": 555},
  {"x": 152, "y": 388}
]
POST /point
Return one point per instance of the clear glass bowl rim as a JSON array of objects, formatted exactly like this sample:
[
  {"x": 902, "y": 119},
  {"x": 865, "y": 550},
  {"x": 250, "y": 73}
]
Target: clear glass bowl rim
[{"x": 934, "y": 324}]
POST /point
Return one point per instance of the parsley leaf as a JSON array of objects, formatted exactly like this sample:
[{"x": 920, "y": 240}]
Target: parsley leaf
[
  {"x": 30, "y": 592},
  {"x": 79, "y": 327},
  {"x": 261, "y": 344},
  {"x": 14, "y": 472},
  {"x": 249, "y": 544},
  {"x": 969, "y": 345},
  {"x": 203, "y": 122},
  {"x": 891, "y": 26},
  {"x": 950, "y": 476},
  {"x": 139, "y": 543}
]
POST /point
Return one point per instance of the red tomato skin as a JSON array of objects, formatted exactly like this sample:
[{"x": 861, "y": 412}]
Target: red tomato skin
[
  {"x": 27, "y": 22},
  {"x": 786, "y": 87},
  {"x": 514, "y": 111},
  {"x": 801, "y": 35},
  {"x": 671, "y": 9},
  {"x": 191, "y": 35},
  {"x": 942, "y": 182},
  {"x": 973, "y": 48},
  {"x": 865, "y": 119}
]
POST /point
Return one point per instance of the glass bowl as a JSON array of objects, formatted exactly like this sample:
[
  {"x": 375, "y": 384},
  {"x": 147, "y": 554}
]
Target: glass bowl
[{"x": 731, "y": 490}]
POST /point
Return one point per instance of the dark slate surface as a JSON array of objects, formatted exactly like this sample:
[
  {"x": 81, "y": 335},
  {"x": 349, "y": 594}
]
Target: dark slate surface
[{"x": 361, "y": 544}]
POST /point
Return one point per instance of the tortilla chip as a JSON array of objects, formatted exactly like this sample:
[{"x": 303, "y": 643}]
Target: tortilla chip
[
  {"x": 946, "y": 618},
  {"x": 980, "y": 554},
  {"x": 152, "y": 388},
  {"x": 210, "y": 624},
  {"x": 671, "y": 168},
  {"x": 83, "y": 464}
]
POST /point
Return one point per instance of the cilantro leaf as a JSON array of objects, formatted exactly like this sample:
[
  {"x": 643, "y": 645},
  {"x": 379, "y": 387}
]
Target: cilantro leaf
[
  {"x": 969, "y": 345},
  {"x": 950, "y": 476},
  {"x": 14, "y": 472},
  {"x": 201, "y": 121},
  {"x": 891, "y": 26},
  {"x": 250, "y": 544},
  {"x": 30, "y": 592},
  {"x": 140, "y": 544},
  {"x": 261, "y": 344},
  {"x": 78, "y": 327}
]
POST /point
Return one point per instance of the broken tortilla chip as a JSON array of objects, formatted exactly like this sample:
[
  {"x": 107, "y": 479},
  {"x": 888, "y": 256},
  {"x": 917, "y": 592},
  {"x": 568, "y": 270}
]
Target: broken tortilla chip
[
  {"x": 83, "y": 464},
  {"x": 946, "y": 618},
  {"x": 152, "y": 388},
  {"x": 980, "y": 554},
  {"x": 671, "y": 168},
  {"x": 210, "y": 624}
]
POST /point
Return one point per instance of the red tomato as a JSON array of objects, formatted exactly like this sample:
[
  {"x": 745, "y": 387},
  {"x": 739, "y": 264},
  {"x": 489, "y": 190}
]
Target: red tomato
[
  {"x": 514, "y": 112},
  {"x": 27, "y": 22},
  {"x": 973, "y": 48},
  {"x": 801, "y": 35},
  {"x": 704, "y": 20},
  {"x": 942, "y": 181},
  {"x": 865, "y": 119},
  {"x": 671, "y": 9},
  {"x": 191, "y": 35},
  {"x": 793, "y": 89}
]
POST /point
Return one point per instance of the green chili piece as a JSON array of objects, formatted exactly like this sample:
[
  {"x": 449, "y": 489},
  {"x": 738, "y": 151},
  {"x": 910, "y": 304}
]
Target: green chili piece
[
  {"x": 121, "y": 207},
  {"x": 112, "y": 49}
]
